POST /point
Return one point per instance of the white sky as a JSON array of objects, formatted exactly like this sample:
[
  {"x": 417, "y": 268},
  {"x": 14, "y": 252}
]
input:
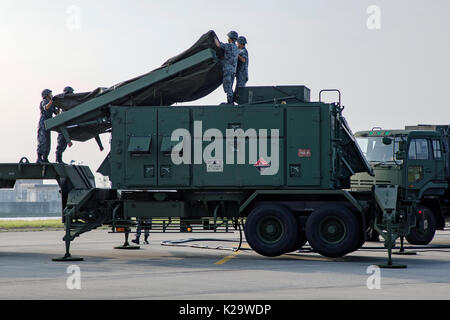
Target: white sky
[{"x": 389, "y": 77}]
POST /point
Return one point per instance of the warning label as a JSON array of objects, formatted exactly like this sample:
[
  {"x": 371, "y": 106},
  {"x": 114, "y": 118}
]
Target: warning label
[
  {"x": 261, "y": 164},
  {"x": 304, "y": 153},
  {"x": 214, "y": 165}
]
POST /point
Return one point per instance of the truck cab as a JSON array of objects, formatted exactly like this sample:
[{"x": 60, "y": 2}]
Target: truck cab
[{"x": 415, "y": 160}]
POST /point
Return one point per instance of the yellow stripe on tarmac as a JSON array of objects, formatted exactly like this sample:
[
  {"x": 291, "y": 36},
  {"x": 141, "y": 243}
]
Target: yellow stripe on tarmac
[{"x": 227, "y": 258}]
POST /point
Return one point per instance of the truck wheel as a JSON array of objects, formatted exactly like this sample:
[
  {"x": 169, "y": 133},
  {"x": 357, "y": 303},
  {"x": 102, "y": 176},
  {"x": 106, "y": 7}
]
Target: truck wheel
[
  {"x": 271, "y": 230},
  {"x": 419, "y": 236},
  {"x": 300, "y": 242},
  {"x": 333, "y": 231}
]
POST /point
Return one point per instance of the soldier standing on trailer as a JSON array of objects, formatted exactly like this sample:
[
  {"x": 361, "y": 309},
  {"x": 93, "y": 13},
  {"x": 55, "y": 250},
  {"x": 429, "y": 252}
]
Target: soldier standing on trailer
[
  {"x": 229, "y": 63},
  {"x": 62, "y": 144},
  {"x": 242, "y": 67},
  {"x": 43, "y": 137}
]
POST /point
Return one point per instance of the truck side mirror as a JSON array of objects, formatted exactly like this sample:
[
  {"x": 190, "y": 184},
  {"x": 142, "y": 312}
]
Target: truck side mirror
[
  {"x": 387, "y": 141},
  {"x": 402, "y": 146}
]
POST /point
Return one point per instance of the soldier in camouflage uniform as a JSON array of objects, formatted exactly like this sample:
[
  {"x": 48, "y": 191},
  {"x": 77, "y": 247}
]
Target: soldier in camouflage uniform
[
  {"x": 229, "y": 64},
  {"x": 62, "y": 144},
  {"x": 145, "y": 224},
  {"x": 242, "y": 67},
  {"x": 47, "y": 110}
]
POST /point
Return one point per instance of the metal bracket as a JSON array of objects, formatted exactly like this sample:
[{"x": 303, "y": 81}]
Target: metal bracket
[
  {"x": 330, "y": 90},
  {"x": 65, "y": 133},
  {"x": 99, "y": 142}
]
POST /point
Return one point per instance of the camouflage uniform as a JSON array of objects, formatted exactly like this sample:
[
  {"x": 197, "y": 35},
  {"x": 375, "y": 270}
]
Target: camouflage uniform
[
  {"x": 242, "y": 69},
  {"x": 229, "y": 65},
  {"x": 43, "y": 135},
  {"x": 62, "y": 143},
  {"x": 61, "y": 147},
  {"x": 145, "y": 224}
]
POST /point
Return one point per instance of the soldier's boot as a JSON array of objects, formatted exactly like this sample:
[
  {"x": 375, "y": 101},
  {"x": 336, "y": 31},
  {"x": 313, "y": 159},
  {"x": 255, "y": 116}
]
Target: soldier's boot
[
  {"x": 135, "y": 240},
  {"x": 59, "y": 158},
  {"x": 45, "y": 159},
  {"x": 39, "y": 158},
  {"x": 146, "y": 239}
]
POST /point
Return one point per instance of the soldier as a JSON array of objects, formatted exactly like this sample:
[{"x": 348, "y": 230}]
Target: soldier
[
  {"x": 47, "y": 110},
  {"x": 229, "y": 63},
  {"x": 62, "y": 144},
  {"x": 242, "y": 67},
  {"x": 145, "y": 224}
]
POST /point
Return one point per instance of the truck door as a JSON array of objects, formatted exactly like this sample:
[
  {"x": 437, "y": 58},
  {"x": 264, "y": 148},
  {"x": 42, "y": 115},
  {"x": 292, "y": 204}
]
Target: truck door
[
  {"x": 439, "y": 162},
  {"x": 421, "y": 167}
]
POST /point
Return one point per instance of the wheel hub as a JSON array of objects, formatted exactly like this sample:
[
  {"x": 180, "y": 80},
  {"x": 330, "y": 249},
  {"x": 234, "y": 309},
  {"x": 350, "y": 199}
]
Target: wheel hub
[
  {"x": 270, "y": 230},
  {"x": 332, "y": 230}
]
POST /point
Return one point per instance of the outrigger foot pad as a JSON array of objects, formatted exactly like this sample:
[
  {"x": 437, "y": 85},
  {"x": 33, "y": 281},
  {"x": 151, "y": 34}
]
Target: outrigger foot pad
[
  {"x": 127, "y": 247},
  {"x": 68, "y": 258},
  {"x": 405, "y": 253},
  {"x": 393, "y": 266}
]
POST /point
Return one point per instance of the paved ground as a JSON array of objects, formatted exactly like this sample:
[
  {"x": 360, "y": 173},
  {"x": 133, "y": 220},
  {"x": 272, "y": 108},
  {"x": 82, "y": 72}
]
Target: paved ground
[{"x": 165, "y": 272}]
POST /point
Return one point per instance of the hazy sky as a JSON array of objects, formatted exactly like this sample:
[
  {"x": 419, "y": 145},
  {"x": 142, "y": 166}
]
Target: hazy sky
[{"x": 389, "y": 77}]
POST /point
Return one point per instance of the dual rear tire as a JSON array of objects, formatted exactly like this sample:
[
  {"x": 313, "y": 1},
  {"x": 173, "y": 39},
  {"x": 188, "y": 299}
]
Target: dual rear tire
[
  {"x": 333, "y": 231},
  {"x": 272, "y": 230}
]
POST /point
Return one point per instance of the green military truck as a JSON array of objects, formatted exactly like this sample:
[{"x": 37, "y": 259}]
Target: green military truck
[
  {"x": 292, "y": 190},
  {"x": 277, "y": 160},
  {"x": 417, "y": 160}
]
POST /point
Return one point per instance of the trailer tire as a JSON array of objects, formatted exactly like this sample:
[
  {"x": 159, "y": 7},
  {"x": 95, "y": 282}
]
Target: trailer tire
[
  {"x": 271, "y": 230},
  {"x": 416, "y": 236},
  {"x": 300, "y": 242},
  {"x": 333, "y": 231}
]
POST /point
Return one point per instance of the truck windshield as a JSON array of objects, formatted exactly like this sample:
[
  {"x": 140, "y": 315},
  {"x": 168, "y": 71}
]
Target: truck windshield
[{"x": 375, "y": 150}]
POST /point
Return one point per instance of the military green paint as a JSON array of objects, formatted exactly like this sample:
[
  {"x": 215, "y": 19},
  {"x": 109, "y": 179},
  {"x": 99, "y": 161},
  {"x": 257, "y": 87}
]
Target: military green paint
[
  {"x": 302, "y": 126},
  {"x": 91, "y": 109}
]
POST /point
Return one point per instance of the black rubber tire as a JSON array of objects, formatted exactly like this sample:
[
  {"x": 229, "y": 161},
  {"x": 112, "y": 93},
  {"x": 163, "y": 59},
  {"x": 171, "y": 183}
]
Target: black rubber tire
[
  {"x": 270, "y": 215},
  {"x": 348, "y": 232},
  {"x": 300, "y": 242},
  {"x": 416, "y": 237}
]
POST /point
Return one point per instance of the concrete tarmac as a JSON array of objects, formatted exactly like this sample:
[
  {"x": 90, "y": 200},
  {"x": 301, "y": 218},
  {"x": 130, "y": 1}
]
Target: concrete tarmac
[{"x": 168, "y": 272}]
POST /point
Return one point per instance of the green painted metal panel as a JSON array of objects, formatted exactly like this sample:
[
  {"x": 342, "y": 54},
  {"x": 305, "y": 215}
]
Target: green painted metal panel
[
  {"x": 307, "y": 153},
  {"x": 152, "y": 209},
  {"x": 140, "y": 168},
  {"x": 304, "y": 147},
  {"x": 140, "y": 144},
  {"x": 222, "y": 171},
  {"x": 117, "y": 154},
  {"x": 105, "y": 167},
  {"x": 167, "y": 145},
  {"x": 272, "y": 94},
  {"x": 325, "y": 193},
  {"x": 169, "y": 120},
  {"x": 80, "y": 177}
]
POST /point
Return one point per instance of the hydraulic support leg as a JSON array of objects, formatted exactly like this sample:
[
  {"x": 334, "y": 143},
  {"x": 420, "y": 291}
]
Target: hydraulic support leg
[
  {"x": 67, "y": 239},
  {"x": 402, "y": 249},
  {"x": 126, "y": 244},
  {"x": 389, "y": 244}
]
